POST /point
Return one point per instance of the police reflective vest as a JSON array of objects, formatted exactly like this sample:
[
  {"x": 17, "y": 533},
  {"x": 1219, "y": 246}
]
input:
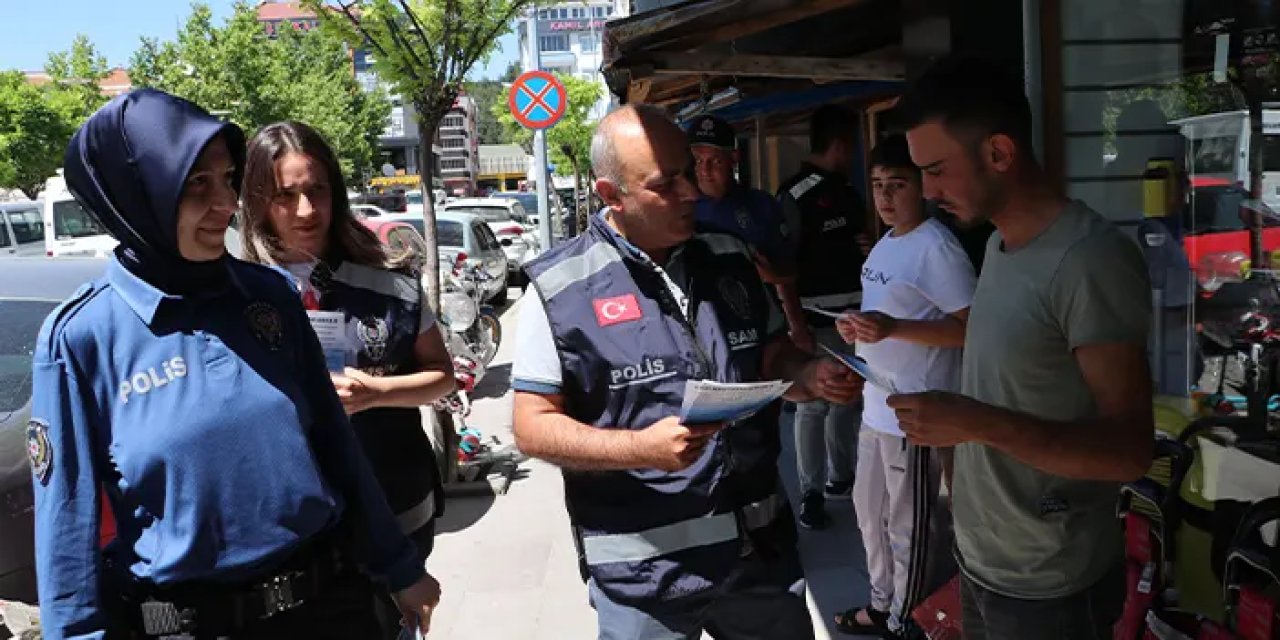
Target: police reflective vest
[
  {"x": 383, "y": 311},
  {"x": 829, "y": 262},
  {"x": 627, "y": 349}
]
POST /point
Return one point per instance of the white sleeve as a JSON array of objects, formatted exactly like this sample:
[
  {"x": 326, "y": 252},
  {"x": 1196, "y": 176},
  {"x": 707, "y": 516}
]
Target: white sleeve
[
  {"x": 946, "y": 275},
  {"x": 537, "y": 364}
]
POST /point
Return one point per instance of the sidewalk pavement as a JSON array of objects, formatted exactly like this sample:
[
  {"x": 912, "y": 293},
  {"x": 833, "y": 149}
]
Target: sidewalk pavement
[{"x": 507, "y": 564}]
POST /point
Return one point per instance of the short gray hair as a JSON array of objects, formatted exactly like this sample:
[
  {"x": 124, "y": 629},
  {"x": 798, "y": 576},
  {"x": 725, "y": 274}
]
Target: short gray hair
[{"x": 604, "y": 153}]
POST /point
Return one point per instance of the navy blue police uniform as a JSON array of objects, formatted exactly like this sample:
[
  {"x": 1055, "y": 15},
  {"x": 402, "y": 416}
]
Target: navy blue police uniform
[
  {"x": 383, "y": 316},
  {"x": 194, "y": 397},
  {"x": 826, "y": 216},
  {"x": 679, "y": 550},
  {"x": 753, "y": 216},
  {"x": 750, "y": 215}
]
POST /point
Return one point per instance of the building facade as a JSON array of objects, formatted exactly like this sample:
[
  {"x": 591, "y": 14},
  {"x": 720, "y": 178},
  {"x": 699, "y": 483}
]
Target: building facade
[
  {"x": 570, "y": 41},
  {"x": 459, "y": 141}
]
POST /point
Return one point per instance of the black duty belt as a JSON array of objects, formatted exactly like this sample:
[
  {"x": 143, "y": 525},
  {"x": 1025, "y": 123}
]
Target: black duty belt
[{"x": 186, "y": 610}]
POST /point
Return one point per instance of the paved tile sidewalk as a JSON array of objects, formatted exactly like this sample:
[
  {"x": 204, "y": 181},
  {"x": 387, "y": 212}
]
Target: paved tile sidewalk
[{"x": 507, "y": 563}]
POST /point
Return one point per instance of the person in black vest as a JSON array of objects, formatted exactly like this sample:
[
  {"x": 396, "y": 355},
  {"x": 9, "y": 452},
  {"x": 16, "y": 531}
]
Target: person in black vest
[
  {"x": 385, "y": 352},
  {"x": 827, "y": 219},
  {"x": 681, "y": 527}
]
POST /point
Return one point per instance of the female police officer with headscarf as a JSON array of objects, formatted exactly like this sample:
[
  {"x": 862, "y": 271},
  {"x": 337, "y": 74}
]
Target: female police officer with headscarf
[{"x": 188, "y": 388}]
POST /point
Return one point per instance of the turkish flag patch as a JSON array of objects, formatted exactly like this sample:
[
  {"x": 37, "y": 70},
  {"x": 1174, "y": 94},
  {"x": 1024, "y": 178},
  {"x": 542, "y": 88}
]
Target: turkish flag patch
[{"x": 611, "y": 311}]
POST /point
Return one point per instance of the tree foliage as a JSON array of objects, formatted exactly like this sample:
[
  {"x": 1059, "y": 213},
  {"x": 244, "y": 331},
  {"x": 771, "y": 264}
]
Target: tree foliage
[
  {"x": 76, "y": 74},
  {"x": 238, "y": 72},
  {"x": 488, "y": 93},
  {"x": 36, "y": 121},
  {"x": 33, "y": 134},
  {"x": 574, "y": 130},
  {"x": 424, "y": 49}
]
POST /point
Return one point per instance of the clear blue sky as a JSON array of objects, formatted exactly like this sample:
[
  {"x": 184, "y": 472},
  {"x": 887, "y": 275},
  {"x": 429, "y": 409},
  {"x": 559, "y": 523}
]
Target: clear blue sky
[{"x": 30, "y": 34}]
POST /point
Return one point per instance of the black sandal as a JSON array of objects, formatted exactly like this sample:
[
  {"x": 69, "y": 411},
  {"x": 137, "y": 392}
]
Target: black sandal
[{"x": 847, "y": 622}]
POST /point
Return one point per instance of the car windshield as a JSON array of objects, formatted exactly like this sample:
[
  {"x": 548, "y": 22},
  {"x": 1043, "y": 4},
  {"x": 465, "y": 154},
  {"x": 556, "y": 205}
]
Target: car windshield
[
  {"x": 413, "y": 198},
  {"x": 27, "y": 225},
  {"x": 449, "y": 234},
  {"x": 527, "y": 200},
  {"x": 18, "y": 333},
  {"x": 72, "y": 221},
  {"x": 488, "y": 214}
]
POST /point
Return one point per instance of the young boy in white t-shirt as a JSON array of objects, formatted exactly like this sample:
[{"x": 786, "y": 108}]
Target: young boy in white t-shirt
[{"x": 916, "y": 288}]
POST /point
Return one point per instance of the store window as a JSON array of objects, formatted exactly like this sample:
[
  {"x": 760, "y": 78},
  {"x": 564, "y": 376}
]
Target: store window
[
  {"x": 589, "y": 43},
  {"x": 1158, "y": 102}
]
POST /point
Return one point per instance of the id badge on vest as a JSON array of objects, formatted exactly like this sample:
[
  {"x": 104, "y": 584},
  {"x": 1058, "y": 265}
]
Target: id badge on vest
[{"x": 330, "y": 327}]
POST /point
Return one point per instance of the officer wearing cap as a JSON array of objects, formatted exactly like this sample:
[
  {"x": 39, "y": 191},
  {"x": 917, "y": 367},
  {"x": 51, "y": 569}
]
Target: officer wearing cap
[
  {"x": 682, "y": 528},
  {"x": 729, "y": 207},
  {"x": 188, "y": 388}
]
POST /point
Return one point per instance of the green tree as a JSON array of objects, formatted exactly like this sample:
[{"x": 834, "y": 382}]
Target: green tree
[
  {"x": 239, "y": 73},
  {"x": 569, "y": 141},
  {"x": 573, "y": 131},
  {"x": 424, "y": 49},
  {"x": 75, "y": 74},
  {"x": 487, "y": 93},
  {"x": 33, "y": 133}
]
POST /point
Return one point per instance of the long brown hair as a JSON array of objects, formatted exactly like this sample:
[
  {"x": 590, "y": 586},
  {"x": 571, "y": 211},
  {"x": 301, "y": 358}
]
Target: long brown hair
[{"x": 348, "y": 238}]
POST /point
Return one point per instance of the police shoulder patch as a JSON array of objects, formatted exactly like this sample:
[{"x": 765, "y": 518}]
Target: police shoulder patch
[{"x": 39, "y": 451}]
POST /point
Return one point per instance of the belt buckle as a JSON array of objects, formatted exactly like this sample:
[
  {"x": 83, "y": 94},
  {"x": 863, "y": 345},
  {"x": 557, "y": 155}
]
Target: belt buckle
[{"x": 277, "y": 594}]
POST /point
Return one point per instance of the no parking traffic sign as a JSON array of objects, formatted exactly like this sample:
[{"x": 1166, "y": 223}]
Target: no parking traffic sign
[{"x": 537, "y": 99}]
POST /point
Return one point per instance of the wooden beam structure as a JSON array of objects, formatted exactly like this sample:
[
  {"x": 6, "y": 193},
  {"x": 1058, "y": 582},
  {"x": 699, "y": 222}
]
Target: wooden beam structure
[
  {"x": 748, "y": 65},
  {"x": 689, "y": 25},
  {"x": 761, "y": 15}
]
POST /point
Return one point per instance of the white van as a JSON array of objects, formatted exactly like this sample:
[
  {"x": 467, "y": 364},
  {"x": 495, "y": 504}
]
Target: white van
[
  {"x": 21, "y": 229},
  {"x": 1218, "y": 147},
  {"x": 69, "y": 229}
]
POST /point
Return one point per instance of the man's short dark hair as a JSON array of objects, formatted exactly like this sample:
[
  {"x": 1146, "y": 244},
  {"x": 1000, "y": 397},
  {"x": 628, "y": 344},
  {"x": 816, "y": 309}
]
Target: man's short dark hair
[
  {"x": 893, "y": 153},
  {"x": 967, "y": 92},
  {"x": 830, "y": 124}
]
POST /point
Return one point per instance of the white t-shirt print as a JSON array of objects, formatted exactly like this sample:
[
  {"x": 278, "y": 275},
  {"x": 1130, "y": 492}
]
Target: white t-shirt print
[{"x": 923, "y": 275}]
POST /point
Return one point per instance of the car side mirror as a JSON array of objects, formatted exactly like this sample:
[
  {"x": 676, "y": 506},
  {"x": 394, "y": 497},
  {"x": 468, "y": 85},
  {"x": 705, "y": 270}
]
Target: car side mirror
[{"x": 506, "y": 242}]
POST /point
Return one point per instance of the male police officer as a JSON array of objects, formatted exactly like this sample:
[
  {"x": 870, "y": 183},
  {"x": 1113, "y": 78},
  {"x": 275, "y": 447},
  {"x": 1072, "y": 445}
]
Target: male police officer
[
  {"x": 751, "y": 215},
  {"x": 827, "y": 217},
  {"x": 682, "y": 528}
]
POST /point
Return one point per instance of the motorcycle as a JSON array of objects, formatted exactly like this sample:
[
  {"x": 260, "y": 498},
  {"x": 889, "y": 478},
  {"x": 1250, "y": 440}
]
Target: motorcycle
[{"x": 473, "y": 328}]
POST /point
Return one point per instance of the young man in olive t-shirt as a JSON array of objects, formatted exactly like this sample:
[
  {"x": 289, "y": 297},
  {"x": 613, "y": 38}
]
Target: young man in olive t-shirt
[{"x": 1055, "y": 409}]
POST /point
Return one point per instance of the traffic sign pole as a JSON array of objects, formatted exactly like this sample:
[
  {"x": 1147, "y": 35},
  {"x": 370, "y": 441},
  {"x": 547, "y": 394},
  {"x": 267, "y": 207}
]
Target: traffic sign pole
[{"x": 540, "y": 143}]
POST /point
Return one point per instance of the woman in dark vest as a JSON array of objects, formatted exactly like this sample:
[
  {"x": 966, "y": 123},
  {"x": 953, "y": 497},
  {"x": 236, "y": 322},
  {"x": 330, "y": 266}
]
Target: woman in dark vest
[{"x": 385, "y": 351}]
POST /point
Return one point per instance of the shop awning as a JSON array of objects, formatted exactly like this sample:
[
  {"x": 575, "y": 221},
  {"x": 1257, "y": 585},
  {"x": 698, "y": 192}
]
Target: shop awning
[{"x": 730, "y": 51}]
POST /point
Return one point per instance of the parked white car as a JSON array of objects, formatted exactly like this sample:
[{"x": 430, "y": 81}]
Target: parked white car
[
  {"x": 510, "y": 223},
  {"x": 370, "y": 210}
]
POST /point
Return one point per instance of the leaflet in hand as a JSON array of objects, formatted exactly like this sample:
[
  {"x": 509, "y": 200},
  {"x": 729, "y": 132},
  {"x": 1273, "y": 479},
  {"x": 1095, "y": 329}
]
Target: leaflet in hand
[
  {"x": 706, "y": 401},
  {"x": 330, "y": 327},
  {"x": 863, "y": 369},
  {"x": 835, "y": 315}
]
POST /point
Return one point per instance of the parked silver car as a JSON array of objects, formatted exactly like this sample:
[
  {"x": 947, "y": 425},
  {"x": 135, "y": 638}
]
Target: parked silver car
[
  {"x": 22, "y": 229},
  {"x": 462, "y": 233},
  {"x": 29, "y": 290}
]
